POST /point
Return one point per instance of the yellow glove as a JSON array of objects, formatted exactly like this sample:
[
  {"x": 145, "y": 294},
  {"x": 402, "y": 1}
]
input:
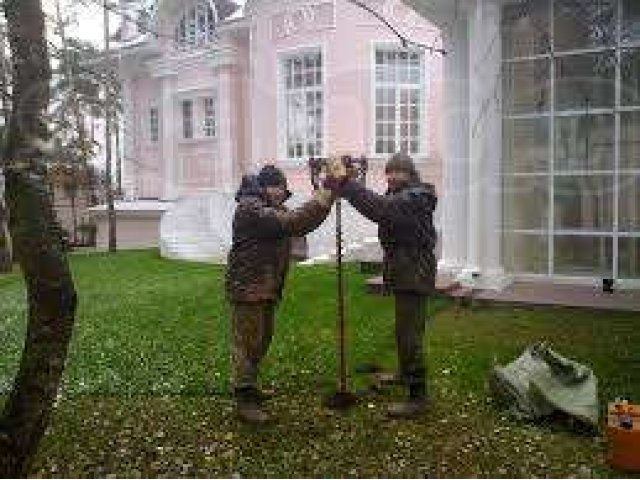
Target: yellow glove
[
  {"x": 336, "y": 174},
  {"x": 324, "y": 197},
  {"x": 336, "y": 169}
]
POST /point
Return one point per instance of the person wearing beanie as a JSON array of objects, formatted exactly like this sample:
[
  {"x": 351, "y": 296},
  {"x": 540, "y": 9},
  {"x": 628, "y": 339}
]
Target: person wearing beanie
[
  {"x": 256, "y": 271},
  {"x": 405, "y": 228}
]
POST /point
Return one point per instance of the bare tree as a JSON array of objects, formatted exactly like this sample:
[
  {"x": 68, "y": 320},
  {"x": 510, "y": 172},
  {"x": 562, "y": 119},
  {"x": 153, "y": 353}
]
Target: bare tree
[
  {"x": 37, "y": 244},
  {"x": 5, "y": 243},
  {"x": 108, "y": 112},
  {"x": 76, "y": 88}
]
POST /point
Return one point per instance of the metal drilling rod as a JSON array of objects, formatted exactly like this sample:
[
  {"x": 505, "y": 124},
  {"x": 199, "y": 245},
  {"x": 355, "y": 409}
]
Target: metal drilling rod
[{"x": 341, "y": 325}]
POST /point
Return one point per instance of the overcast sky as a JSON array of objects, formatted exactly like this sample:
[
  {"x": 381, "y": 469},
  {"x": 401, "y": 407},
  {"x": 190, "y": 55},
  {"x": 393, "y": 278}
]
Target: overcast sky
[{"x": 89, "y": 18}]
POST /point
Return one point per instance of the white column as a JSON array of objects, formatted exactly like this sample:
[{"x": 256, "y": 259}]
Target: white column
[
  {"x": 491, "y": 195},
  {"x": 475, "y": 127},
  {"x": 454, "y": 202},
  {"x": 129, "y": 169},
  {"x": 170, "y": 132},
  {"x": 226, "y": 136},
  {"x": 484, "y": 262},
  {"x": 257, "y": 97}
]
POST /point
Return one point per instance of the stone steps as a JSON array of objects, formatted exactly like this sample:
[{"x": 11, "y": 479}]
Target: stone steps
[{"x": 444, "y": 285}]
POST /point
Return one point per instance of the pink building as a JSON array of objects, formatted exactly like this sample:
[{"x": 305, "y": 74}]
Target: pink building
[
  {"x": 208, "y": 100},
  {"x": 211, "y": 95}
]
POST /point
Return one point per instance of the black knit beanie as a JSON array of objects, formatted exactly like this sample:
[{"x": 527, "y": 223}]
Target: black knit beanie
[
  {"x": 401, "y": 162},
  {"x": 272, "y": 176}
]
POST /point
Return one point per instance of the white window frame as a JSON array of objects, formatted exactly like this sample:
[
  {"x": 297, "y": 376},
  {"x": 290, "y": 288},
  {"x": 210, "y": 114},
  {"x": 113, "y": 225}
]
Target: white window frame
[
  {"x": 616, "y": 110},
  {"x": 197, "y": 98},
  {"x": 423, "y": 112},
  {"x": 282, "y": 124},
  {"x": 209, "y": 118},
  {"x": 190, "y": 120},
  {"x": 195, "y": 38},
  {"x": 154, "y": 123}
]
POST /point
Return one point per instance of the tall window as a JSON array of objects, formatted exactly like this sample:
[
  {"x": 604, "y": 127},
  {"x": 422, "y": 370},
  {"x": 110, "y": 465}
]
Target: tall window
[
  {"x": 154, "y": 124},
  {"x": 196, "y": 26},
  {"x": 209, "y": 117},
  {"x": 571, "y": 131},
  {"x": 398, "y": 100},
  {"x": 187, "y": 119},
  {"x": 303, "y": 105}
]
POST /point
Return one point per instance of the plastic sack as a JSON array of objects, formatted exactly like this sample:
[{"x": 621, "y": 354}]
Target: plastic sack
[{"x": 541, "y": 382}]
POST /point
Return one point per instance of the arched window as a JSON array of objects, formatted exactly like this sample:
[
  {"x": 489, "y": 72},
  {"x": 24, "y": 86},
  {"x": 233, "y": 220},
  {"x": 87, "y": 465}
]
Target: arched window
[{"x": 196, "y": 26}]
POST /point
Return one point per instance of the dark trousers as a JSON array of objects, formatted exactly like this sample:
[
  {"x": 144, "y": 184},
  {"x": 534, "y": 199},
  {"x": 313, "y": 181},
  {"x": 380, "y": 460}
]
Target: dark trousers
[
  {"x": 252, "y": 331},
  {"x": 410, "y": 329}
]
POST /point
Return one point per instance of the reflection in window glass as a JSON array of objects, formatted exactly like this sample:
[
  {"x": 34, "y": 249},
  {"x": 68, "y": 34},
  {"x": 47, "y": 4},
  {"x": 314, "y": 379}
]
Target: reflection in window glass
[
  {"x": 154, "y": 124},
  {"x": 304, "y": 105},
  {"x": 209, "y": 120},
  {"x": 583, "y": 255},
  {"x": 585, "y": 142},
  {"x": 630, "y": 77},
  {"x": 629, "y": 203},
  {"x": 525, "y": 27},
  {"x": 398, "y": 100},
  {"x": 526, "y": 253},
  {"x": 580, "y": 24},
  {"x": 187, "y": 119},
  {"x": 526, "y": 86},
  {"x": 583, "y": 202},
  {"x": 630, "y": 21},
  {"x": 526, "y": 202},
  {"x": 629, "y": 257},
  {"x": 586, "y": 178},
  {"x": 585, "y": 81},
  {"x": 630, "y": 140},
  {"x": 526, "y": 145},
  {"x": 196, "y": 27}
]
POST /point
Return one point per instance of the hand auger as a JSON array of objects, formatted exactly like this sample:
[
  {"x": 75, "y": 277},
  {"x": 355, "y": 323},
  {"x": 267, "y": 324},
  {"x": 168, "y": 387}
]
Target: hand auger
[{"x": 357, "y": 170}]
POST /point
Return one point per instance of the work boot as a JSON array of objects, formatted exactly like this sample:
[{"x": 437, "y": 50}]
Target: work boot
[
  {"x": 252, "y": 412},
  {"x": 415, "y": 405},
  {"x": 248, "y": 407},
  {"x": 264, "y": 395},
  {"x": 387, "y": 379},
  {"x": 411, "y": 408}
]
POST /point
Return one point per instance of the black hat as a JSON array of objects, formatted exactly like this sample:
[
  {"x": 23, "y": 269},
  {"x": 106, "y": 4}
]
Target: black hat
[
  {"x": 272, "y": 176},
  {"x": 403, "y": 163}
]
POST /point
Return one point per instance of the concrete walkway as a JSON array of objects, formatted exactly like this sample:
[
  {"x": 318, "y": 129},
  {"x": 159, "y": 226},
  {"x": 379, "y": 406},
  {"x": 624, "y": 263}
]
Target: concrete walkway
[
  {"x": 534, "y": 294},
  {"x": 530, "y": 293}
]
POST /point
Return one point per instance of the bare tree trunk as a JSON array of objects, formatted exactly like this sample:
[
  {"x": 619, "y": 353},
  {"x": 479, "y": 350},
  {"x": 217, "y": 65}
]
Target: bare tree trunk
[
  {"x": 111, "y": 211},
  {"x": 73, "y": 191},
  {"x": 5, "y": 242},
  {"x": 37, "y": 245},
  {"x": 74, "y": 209}
]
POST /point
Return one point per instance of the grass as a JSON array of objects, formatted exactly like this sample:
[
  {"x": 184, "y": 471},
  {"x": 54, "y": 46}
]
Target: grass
[{"x": 146, "y": 387}]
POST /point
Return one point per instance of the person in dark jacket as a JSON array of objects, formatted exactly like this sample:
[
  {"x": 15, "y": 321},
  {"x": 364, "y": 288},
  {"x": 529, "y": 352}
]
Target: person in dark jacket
[
  {"x": 256, "y": 271},
  {"x": 405, "y": 228}
]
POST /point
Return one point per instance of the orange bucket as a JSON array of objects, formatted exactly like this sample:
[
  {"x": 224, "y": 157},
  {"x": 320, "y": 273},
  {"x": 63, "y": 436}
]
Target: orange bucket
[{"x": 623, "y": 435}]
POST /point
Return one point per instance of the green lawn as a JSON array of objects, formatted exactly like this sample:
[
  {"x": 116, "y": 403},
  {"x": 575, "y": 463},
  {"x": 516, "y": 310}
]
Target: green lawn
[{"x": 146, "y": 387}]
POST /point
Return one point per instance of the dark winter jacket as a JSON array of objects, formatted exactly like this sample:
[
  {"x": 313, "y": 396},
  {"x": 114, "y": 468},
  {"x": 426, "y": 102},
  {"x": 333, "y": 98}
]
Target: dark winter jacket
[
  {"x": 406, "y": 232},
  {"x": 261, "y": 248}
]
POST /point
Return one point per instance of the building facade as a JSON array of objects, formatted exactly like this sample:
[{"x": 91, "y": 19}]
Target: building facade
[
  {"x": 529, "y": 125},
  {"x": 541, "y": 162},
  {"x": 208, "y": 99}
]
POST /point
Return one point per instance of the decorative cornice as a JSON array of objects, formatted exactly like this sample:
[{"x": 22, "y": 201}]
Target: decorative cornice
[
  {"x": 172, "y": 64},
  {"x": 303, "y": 17}
]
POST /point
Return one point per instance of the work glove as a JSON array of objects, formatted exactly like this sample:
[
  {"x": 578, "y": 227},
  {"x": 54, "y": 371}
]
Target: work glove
[
  {"x": 324, "y": 197},
  {"x": 337, "y": 174}
]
